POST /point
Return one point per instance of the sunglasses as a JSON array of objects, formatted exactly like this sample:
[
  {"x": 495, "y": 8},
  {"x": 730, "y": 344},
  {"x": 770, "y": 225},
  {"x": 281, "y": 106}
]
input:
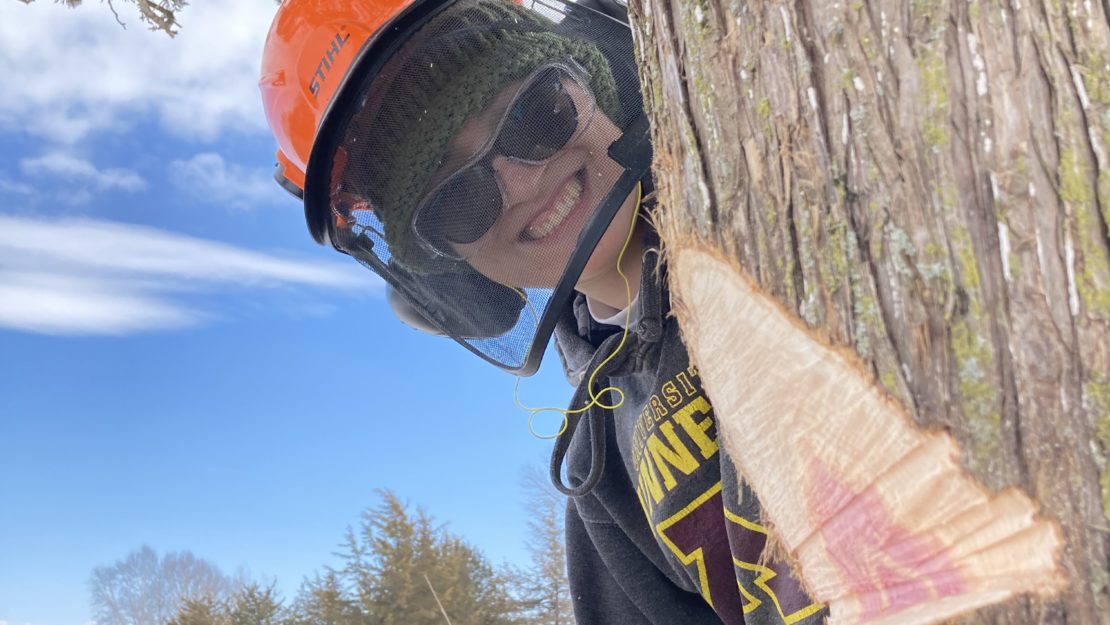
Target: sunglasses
[{"x": 540, "y": 120}]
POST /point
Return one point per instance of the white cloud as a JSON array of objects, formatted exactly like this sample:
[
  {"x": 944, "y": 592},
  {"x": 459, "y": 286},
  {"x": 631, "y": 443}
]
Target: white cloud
[
  {"x": 209, "y": 178},
  {"x": 74, "y": 71},
  {"x": 57, "y": 304},
  {"x": 58, "y": 165},
  {"x": 8, "y": 186},
  {"x": 81, "y": 276}
]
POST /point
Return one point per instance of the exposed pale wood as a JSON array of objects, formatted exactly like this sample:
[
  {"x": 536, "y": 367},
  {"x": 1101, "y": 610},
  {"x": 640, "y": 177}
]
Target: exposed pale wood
[{"x": 883, "y": 522}]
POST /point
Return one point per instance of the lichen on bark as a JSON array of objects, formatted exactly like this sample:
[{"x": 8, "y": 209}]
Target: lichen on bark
[{"x": 927, "y": 183}]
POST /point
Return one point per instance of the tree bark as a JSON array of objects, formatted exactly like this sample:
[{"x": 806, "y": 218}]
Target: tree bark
[{"x": 927, "y": 183}]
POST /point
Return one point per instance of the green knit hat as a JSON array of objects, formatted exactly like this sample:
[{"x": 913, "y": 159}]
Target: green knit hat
[{"x": 448, "y": 72}]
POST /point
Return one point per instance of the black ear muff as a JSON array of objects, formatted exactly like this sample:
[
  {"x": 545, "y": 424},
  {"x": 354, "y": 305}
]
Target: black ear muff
[
  {"x": 468, "y": 305},
  {"x": 409, "y": 315}
]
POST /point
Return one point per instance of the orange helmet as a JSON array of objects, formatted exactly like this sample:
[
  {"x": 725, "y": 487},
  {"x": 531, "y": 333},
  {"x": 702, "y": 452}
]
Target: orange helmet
[{"x": 308, "y": 56}]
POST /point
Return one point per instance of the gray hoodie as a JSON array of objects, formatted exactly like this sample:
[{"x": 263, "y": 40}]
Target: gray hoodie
[{"x": 659, "y": 530}]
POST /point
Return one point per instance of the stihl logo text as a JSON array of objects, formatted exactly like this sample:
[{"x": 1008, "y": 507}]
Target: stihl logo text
[{"x": 326, "y": 62}]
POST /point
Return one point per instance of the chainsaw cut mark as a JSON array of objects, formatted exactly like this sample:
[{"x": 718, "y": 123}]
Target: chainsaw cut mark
[{"x": 877, "y": 513}]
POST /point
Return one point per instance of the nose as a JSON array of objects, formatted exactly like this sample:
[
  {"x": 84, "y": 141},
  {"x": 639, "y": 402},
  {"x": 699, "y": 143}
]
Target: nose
[{"x": 519, "y": 180}]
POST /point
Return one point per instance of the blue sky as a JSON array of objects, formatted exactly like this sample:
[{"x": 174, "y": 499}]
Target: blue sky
[{"x": 180, "y": 365}]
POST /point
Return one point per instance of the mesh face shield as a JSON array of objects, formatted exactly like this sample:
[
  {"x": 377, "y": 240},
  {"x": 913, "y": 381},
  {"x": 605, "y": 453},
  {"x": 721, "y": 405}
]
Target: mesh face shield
[{"x": 485, "y": 163}]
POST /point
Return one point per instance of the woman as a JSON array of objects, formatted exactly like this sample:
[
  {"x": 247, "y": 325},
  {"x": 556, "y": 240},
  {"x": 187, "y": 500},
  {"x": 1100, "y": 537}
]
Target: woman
[{"x": 490, "y": 161}]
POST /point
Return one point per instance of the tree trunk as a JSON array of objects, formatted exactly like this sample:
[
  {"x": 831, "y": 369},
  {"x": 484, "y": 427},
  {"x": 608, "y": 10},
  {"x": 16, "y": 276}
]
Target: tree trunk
[{"x": 926, "y": 182}]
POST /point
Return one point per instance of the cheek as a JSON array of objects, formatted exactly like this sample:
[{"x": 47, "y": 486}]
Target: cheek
[
  {"x": 518, "y": 270},
  {"x": 604, "y": 257}
]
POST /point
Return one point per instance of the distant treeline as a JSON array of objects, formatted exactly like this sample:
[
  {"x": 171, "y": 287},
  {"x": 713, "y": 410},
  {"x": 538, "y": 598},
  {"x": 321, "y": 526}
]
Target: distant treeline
[{"x": 399, "y": 568}]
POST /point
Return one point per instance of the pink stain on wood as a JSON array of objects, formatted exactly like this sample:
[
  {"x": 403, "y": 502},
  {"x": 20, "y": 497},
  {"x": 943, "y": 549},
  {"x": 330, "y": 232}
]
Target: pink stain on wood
[{"x": 885, "y": 566}]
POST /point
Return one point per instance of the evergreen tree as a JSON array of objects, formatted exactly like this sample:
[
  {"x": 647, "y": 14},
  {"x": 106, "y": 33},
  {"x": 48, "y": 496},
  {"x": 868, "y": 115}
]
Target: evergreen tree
[
  {"x": 200, "y": 611},
  {"x": 255, "y": 605},
  {"x": 402, "y": 568},
  {"x": 323, "y": 601},
  {"x": 250, "y": 605},
  {"x": 402, "y": 562},
  {"x": 544, "y": 586}
]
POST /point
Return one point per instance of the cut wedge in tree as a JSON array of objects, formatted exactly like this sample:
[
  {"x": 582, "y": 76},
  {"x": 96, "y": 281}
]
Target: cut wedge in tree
[{"x": 878, "y": 516}]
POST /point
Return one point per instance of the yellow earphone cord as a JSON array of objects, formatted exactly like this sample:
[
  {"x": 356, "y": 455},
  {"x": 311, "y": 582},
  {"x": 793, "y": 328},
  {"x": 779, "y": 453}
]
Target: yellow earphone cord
[{"x": 595, "y": 398}]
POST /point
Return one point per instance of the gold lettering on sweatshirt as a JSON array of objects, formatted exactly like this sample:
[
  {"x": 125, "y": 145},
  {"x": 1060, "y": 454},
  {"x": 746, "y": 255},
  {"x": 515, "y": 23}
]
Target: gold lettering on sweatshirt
[
  {"x": 670, "y": 391},
  {"x": 697, "y": 429},
  {"x": 672, "y": 453},
  {"x": 658, "y": 407},
  {"x": 685, "y": 381},
  {"x": 673, "y": 436}
]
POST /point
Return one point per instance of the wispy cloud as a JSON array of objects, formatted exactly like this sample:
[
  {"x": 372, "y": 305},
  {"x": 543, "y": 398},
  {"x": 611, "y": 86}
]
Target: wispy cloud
[
  {"x": 208, "y": 178},
  {"x": 76, "y": 71},
  {"x": 82, "y": 276},
  {"x": 9, "y": 186},
  {"x": 61, "y": 166}
]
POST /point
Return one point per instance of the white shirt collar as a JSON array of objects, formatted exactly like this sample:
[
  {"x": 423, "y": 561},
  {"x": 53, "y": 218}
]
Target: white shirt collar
[{"x": 603, "y": 313}]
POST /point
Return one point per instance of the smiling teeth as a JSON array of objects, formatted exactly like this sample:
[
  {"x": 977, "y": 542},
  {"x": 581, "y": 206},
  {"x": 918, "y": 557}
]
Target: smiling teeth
[{"x": 552, "y": 218}]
